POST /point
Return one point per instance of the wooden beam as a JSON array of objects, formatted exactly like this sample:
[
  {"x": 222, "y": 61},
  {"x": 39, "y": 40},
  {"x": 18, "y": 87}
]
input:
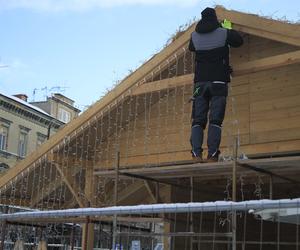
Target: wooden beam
[
  {"x": 267, "y": 63},
  {"x": 69, "y": 204},
  {"x": 164, "y": 84},
  {"x": 151, "y": 191},
  {"x": 15, "y": 201},
  {"x": 72, "y": 186},
  {"x": 41, "y": 194},
  {"x": 88, "y": 230},
  {"x": 130, "y": 191},
  {"x": 127, "y": 192},
  {"x": 70, "y": 160},
  {"x": 268, "y": 35},
  {"x": 239, "y": 70},
  {"x": 88, "y": 234},
  {"x": 167, "y": 225},
  {"x": 253, "y": 24}
]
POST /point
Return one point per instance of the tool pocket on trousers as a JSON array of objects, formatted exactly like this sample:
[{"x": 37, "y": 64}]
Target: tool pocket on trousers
[{"x": 199, "y": 89}]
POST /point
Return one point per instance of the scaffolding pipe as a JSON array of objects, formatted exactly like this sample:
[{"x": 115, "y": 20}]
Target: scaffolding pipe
[
  {"x": 234, "y": 177},
  {"x": 191, "y": 215},
  {"x": 116, "y": 198},
  {"x": 271, "y": 188},
  {"x": 158, "y": 208}
]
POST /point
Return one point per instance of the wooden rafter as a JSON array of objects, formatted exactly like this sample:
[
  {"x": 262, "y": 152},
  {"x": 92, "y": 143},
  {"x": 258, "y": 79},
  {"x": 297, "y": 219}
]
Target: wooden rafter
[
  {"x": 151, "y": 191},
  {"x": 22, "y": 202},
  {"x": 71, "y": 160},
  {"x": 70, "y": 183},
  {"x": 42, "y": 194},
  {"x": 127, "y": 192},
  {"x": 69, "y": 204},
  {"x": 263, "y": 27},
  {"x": 239, "y": 70},
  {"x": 268, "y": 63},
  {"x": 268, "y": 35},
  {"x": 167, "y": 83}
]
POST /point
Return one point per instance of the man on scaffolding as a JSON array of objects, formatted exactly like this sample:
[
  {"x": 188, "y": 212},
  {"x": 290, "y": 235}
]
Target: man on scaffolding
[{"x": 211, "y": 42}]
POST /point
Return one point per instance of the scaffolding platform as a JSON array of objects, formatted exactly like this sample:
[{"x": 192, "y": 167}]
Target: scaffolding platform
[{"x": 281, "y": 167}]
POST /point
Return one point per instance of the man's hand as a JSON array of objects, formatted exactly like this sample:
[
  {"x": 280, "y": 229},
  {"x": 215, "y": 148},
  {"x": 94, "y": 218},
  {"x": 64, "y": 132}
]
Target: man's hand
[{"x": 226, "y": 24}]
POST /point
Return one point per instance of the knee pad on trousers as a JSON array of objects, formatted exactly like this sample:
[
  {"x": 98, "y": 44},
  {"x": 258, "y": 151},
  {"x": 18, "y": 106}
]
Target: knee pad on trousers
[
  {"x": 197, "y": 123},
  {"x": 201, "y": 123},
  {"x": 216, "y": 123}
]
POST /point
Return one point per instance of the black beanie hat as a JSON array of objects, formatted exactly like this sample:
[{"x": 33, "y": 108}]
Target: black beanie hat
[
  {"x": 209, "y": 13},
  {"x": 209, "y": 21}
]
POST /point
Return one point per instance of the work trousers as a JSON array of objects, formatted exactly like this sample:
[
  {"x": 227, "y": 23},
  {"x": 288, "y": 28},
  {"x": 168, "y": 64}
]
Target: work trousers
[{"x": 209, "y": 97}]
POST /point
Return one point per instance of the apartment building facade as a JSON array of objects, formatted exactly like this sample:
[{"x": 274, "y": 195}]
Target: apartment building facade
[
  {"x": 59, "y": 106},
  {"x": 23, "y": 128}
]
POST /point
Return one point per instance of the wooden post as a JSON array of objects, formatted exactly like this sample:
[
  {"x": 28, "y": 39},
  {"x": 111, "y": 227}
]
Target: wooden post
[
  {"x": 86, "y": 241},
  {"x": 111, "y": 233},
  {"x": 271, "y": 188},
  {"x": 167, "y": 240},
  {"x": 88, "y": 235},
  {"x": 42, "y": 245},
  {"x": 234, "y": 176},
  {"x": 88, "y": 227},
  {"x": 157, "y": 192},
  {"x": 3, "y": 230},
  {"x": 116, "y": 198}
]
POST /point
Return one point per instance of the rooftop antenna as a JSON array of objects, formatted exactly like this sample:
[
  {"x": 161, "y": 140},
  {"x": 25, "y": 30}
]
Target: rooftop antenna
[
  {"x": 33, "y": 94},
  {"x": 48, "y": 90},
  {"x": 59, "y": 89}
]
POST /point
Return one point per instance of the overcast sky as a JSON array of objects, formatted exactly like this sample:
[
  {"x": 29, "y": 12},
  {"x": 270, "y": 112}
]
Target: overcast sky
[{"x": 87, "y": 45}]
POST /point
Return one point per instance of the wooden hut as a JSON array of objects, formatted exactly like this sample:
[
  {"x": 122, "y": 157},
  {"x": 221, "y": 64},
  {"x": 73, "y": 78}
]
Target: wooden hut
[{"x": 139, "y": 131}]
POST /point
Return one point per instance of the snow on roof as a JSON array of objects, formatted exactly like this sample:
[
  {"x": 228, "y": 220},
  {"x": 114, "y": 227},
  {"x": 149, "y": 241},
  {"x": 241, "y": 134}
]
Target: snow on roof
[{"x": 16, "y": 99}]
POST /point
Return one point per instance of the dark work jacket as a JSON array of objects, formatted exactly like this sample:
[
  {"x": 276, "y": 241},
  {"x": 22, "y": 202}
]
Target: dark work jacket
[{"x": 212, "y": 52}]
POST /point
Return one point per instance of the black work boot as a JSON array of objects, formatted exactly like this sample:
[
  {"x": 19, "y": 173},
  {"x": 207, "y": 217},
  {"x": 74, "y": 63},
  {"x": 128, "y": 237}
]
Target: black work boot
[
  {"x": 197, "y": 158},
  {"x": 213, "y": 157}
]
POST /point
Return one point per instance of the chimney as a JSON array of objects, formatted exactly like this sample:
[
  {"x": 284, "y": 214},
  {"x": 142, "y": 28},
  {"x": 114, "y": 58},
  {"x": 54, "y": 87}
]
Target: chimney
[{"x": 22, "y": 97}]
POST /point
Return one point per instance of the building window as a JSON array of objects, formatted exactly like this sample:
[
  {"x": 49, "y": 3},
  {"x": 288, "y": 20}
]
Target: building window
[
  {"x": 40, "y": 139},
  {"x": 64, "y": 115},
  {"x": 23, "y": 143},
  {"x": 3, "y": 137}
]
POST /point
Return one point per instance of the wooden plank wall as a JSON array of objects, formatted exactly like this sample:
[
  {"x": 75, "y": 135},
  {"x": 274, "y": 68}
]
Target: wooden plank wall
[{"x": 262, "y": 108}]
